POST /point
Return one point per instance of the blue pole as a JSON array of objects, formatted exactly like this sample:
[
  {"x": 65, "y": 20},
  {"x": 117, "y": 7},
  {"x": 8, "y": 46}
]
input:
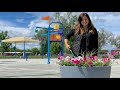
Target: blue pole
[
  {"x": 48, "y": 45},
  {"x": 24, "y": 50},
  {"x": 15, "y": 49},
  {"x": 62, "y": 41}
]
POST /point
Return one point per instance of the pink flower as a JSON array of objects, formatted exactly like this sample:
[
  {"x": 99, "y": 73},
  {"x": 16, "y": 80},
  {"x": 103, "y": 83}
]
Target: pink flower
[
  {"x": 110, "y": 55},
  {"x": 84, "y": 59},
  {"x": 95, "y": 58},
  {"x": 61, "y": 58},
  {"x": 90, "y": 63},
  {"x": 88, "y": 58},
  {"x": 106, "y": 60},
  {"x": 114, "y": 53},
  {"x": 76, "y": 61}
]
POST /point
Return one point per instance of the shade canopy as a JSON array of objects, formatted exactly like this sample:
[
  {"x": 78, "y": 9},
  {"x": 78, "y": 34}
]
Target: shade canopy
[{"x": 20, "y": 40}]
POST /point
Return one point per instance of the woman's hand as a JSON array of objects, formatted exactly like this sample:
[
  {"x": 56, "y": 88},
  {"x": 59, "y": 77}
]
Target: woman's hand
[
  {"x": 91, "y": 31},
  {"x": 67, "y": 46}
]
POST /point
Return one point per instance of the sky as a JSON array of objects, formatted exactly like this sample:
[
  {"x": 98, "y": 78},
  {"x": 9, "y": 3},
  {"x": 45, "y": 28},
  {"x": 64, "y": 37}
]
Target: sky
[{"x": 24, "y": 23}]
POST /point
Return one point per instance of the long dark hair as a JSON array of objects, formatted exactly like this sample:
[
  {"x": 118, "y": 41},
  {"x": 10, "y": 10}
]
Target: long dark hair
[{"x": 80, "y": 28}]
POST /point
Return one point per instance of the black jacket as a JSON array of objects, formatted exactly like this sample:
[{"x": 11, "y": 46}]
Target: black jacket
[{"x": 87, "y": 42}]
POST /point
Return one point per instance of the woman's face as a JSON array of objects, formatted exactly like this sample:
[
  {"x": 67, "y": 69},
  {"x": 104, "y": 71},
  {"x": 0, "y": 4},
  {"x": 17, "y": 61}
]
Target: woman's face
[{"x": 84, "y": 21}]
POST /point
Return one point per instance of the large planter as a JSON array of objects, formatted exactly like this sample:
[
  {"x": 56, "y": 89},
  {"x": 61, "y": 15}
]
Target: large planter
[{"x": 85, "y": 72}]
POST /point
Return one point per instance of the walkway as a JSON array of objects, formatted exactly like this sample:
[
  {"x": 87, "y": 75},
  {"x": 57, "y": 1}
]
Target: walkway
[{"x": 37, "y": 68}]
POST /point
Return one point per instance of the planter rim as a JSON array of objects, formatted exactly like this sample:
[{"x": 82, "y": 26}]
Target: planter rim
[{"x": 86, "y": 67}]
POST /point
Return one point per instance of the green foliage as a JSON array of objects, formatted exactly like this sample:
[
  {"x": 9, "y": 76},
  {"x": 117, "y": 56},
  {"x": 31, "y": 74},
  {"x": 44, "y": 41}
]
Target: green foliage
[
  {"x": 98, "y": 64},
  {"x": 43, "y": 40},
  {"x": 66, "y": 64},
  {"x": 55, "y": 48},
  {"x": 115, "y": 41},
  {"x": 43, "y": 49},
  {"x": 35, "y": 51},
  {"x": 28, "y": 50},
  {"x": 104, "y": 37},
  {"x": 5, "y": 47}
]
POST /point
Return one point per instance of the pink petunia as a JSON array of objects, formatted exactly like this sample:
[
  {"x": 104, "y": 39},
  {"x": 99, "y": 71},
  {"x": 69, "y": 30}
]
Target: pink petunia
[
  {"x": 61, "y": 58},
  {"x": 88, "y": 58},
  {"x": 84, "y": 59},
  {"x": 76, "y": 61},
  {"x": 95, "y": 58},
  {"x": 106, "y": 60},
  {"x": 112, "y": 54},
  {"x": 90, "y": 63}
]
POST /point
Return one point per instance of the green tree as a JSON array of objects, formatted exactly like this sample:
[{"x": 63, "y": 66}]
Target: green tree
[
  {"x": 5, "y": 47},
  {"x": 28, "y": 50},
  {"x": 43, "y": 48},
  {"x": 68, "y": 20},
  {"x": 55, "y": 48},
  {"x": 103, "y": 37},
  {"x": 35, "y": 51},
  {"x": 115, "y": 41},
  {"x": 43, "y": 40}
]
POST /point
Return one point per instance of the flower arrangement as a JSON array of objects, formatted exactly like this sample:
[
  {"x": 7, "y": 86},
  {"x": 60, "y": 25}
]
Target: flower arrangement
[{"x": 88, "y": 61}]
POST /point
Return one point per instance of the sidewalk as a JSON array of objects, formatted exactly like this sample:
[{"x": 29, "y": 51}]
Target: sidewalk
[{"x": 38, "y": 68}]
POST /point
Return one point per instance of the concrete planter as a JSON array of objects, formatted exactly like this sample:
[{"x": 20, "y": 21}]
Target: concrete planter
[{"x": 83, "y": 72}]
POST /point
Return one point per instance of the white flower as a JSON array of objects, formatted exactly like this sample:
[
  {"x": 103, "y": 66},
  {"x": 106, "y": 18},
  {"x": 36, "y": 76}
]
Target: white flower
[
  {"x": 67, "y": 58},
  {"x": 79, "y": 57}
]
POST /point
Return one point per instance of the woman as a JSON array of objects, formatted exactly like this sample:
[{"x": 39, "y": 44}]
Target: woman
[{"x": 85, "y": 37}]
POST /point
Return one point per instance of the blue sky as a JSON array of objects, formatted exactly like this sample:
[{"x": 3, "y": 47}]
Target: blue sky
[{"x": 24, "y": 23}]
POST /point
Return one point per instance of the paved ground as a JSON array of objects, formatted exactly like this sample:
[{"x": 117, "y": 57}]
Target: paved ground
[{"x": 38, "y": 68}]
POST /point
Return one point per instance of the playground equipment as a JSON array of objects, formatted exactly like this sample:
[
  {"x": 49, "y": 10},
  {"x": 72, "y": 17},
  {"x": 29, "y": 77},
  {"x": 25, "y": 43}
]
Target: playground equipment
[
  {"x": 54, "y": 34},
  {"x": 56, "y": 27},
  {"x": 58, "y": 32}
]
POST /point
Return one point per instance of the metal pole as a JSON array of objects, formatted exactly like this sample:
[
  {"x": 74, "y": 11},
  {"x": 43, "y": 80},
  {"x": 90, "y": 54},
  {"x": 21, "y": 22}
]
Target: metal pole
[
  {"x": 42, "y": 50},
  {"x": 48, "y": 45},
  {"x": 24, "y": 50},
  {"x": 15, "y": 49},
  {"x": 62, "y": 42}
]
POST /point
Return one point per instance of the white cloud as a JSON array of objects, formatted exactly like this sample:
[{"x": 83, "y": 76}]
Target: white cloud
[
  {"x": 107, "y": 20},
  {"x": 16, "y": 32},
  {"x": 13, "y": 30},
  {"x": 37, "y": 23},
  {"x": 109, "y": 47}
]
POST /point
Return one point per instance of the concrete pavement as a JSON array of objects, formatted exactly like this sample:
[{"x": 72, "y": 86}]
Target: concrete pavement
[{"x": 38, "y": 68}]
